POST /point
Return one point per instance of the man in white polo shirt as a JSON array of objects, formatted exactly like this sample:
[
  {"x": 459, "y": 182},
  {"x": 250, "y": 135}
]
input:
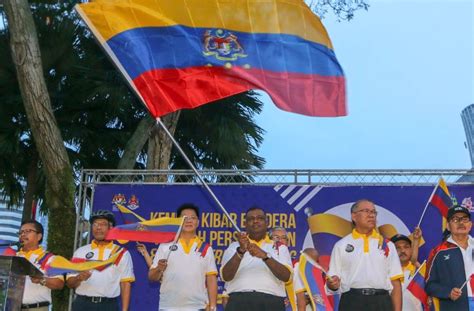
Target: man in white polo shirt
[
  {"x": 37, "y": 293},
  {"x": 364, "y": 266},
  {"x": 255, "y": 269},
  {"x": 187, "y": 270},
  {"x": 98, "y": 290}
]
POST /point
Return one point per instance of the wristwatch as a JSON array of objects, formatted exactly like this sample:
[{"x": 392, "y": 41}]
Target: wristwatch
[
  {"x": 268, "y": 256},
  {"x": 43, "y": 282},
  {"x": 240, "y": 251}
]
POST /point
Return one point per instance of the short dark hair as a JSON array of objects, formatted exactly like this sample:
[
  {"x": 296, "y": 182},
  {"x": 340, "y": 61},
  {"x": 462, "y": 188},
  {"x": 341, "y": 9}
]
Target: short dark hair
[
  {"x": 38, "y": 227},
  {"x": 255, "y": 208},
  {"x": 190, "y": 206}
]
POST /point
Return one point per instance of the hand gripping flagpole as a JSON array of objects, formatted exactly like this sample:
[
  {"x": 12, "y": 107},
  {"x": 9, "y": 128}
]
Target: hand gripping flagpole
[
  {"x": 427, "y": 203},
  {"x": 204, "y": 183}
]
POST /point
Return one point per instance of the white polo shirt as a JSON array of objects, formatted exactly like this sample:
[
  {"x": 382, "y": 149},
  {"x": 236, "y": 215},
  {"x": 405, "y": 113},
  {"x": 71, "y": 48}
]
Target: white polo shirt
[
  {"x": 105, "y": 283},
  {"x": 253, "y": 274},
  {"x": 360, "y": 262},
  {"x": 35, "y": 293},
  {"x": 410, "y": 302},
  {"x": 183, "y": 285}
]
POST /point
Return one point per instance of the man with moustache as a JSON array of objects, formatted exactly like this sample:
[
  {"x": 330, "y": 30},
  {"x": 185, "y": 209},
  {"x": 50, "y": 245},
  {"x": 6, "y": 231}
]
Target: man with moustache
[
  {"x": 187, "y": 270},
  {"x": 37, "y": 292},
  {"x": 450, "y": 264},
  {"x": 364, "y": 267},
  {"x": 99, "y": 290},
  {"x": 408, "y": 254},
  {"x": 256, "y": 269}
]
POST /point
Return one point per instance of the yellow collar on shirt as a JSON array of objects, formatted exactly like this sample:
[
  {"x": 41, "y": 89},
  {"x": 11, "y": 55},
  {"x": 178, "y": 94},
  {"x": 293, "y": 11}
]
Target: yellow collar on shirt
[
  {"x": 410, "y": 267},
  {"x": 357, "y": 235},
  {"x": 187, "y": 245},
  {"x": 264, "y": 240},
  {"x": 28, "y": 254},
  {"x": 95, "y": 245}
]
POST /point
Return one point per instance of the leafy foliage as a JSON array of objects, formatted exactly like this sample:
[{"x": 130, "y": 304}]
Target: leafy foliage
[{"x": 343, "y": 9}]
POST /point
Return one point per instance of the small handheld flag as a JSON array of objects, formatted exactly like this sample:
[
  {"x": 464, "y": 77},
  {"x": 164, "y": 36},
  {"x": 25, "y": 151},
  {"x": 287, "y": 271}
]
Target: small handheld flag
[
  {"x": 60, "y": 265},
  {"x": 417, "y": 285},
  {"x": 128, "y": 215},
  {"x": 313, "y": 277},
  {"x": 441, "y": 199},
  {"x": 160, "y": 230}
]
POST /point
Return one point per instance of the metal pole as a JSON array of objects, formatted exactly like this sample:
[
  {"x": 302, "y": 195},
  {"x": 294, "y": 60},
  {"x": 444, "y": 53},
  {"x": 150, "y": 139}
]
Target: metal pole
[
  {"x": 426, "y": 206},
  {"x": 204, "y": 183}
]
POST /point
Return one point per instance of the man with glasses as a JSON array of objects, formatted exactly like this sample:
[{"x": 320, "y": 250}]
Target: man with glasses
[
  {"x": 37, "y": 293},
  {"x": 256, "y": 269},
  {"x": 450, "y": 264},
  {"x": 99, "y": 290},
  {"x": 279, "y": 235},
  {"x": 187, "y": 270},
  {"x": 364, "y": 266}
]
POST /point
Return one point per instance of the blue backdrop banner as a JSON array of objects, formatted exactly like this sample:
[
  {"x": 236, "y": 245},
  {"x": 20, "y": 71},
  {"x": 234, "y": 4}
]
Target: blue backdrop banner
[{"x": 293, "y": 207}]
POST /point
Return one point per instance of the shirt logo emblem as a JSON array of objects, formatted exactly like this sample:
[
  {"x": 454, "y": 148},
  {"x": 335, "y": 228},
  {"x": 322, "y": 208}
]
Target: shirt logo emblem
[
  {"x": 349, "y": 248},
  {"x": 89, "y": 255},
  {"x": 173, "y": 247},
  {"x": 446, "y": 257}
]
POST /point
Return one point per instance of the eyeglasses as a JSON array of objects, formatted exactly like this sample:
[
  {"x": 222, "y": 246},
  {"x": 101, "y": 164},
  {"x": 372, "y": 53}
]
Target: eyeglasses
[
  {"x": 191, "y": 218},
  {"x": 367, "y": 211},
  {"x": 100, "y": 224},
  {"x": 255, "y": 218},
  {"x": 26, "y": 231},
  {"x": 278, "y": 238},
  {"x": 461, "y": 220}
]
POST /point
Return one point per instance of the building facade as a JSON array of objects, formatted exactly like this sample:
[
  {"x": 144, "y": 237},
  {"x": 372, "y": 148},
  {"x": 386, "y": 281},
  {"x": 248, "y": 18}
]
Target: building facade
[
  {"x": 467, "y": 116},
  {"x": 10, "y": 221}
]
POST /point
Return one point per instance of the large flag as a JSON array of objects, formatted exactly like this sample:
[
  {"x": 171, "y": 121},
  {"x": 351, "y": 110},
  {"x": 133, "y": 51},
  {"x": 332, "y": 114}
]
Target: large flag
[
  {"x": 160, "y": 230},
  {"x": 59, "y": 265},
  {"x": 417, "y": 286},
  {"x": 182, "y": 54},
  {"x": 313, "y": 278}
]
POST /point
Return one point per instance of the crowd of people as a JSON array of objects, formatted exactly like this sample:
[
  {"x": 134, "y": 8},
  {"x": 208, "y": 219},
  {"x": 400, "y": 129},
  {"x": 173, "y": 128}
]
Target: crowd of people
[{"x": 366, "y": 270}]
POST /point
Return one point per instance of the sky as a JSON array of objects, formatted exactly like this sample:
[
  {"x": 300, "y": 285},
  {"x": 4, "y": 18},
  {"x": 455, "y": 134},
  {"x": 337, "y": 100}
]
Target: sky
[{"x": 409, "y": 73}]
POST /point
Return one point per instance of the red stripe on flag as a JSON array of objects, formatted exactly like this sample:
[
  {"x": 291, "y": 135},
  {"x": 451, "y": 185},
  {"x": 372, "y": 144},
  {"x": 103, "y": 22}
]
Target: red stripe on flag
[
  {"x": 318, "y": 277},
  {"x": 166, "y": 90},
  {"x": 141, "y": 236},
  {"x": 439, "y": 203}
]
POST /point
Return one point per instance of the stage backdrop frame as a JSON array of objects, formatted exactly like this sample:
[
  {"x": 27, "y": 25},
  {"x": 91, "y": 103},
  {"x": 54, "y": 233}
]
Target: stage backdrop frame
[{"x": 91, "y": 179}]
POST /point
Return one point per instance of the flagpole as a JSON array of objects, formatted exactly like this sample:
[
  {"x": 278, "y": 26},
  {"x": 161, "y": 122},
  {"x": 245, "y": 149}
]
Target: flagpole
[
  {"x": 176, "y": 238},
  {"x": 428, "y": 203},
  {"x": 464, "y": 284},
  {"x": 417, "y": 270},
  {"x": 204, "y": 183}
]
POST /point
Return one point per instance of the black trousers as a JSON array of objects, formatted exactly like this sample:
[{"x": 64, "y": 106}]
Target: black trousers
[
  {"x": 354, "y": 302},
  {"x": 254, "y": 301},
  {"x": 82, "y": 303}
]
